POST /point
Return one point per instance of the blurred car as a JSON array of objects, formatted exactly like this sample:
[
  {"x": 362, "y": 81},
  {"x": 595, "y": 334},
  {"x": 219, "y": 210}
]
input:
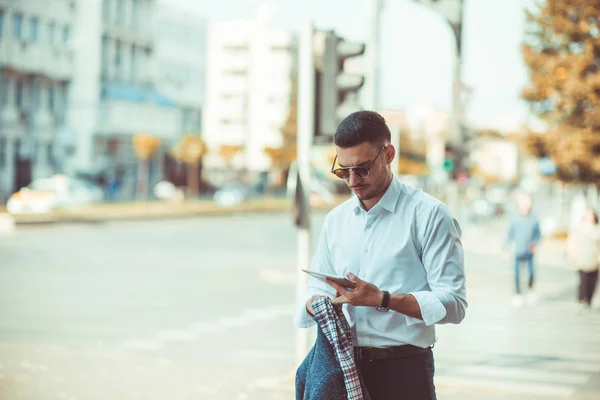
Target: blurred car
[
  {"x": 480, "y": 210},
  {"x": 230, "y": 196},
  {"x": 47, "y": 194}
]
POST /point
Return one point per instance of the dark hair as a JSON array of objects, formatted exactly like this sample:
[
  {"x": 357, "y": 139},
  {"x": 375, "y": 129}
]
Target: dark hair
[{"x": 360, "y": 127}]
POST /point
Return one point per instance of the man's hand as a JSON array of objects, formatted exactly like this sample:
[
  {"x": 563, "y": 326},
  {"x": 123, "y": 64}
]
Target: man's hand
[
  {"x": 309, "y": 304},
  {"x": 364, "y": 294}
]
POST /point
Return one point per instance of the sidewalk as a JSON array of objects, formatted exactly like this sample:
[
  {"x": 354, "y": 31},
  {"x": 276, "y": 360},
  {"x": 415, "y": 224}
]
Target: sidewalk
[{"x": 159, "y": 210}]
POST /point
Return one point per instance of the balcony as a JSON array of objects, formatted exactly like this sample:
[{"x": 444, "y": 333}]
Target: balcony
[{"x": 35, "y": 58}]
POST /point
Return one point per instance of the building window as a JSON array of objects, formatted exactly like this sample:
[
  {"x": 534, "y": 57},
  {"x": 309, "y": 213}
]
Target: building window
[
  {"x": 134, "y": 65},
  {"x": 135, "y": 13},
  {"x": 118, "y": 59},
  {"x": 37, "y": 90},
  {"x": 3, "y": 148},
  {"x": 1, "y": 22},
  {"x": 237, "y": 48},
  {"x": 19, "y": 94},
  {"x": 64, "y": 93},
  {"x": 105, "y": 57},
  {"x": 121, "y": 12},
  {"x": 18, "y": 26},
  {"x": 106, "y": 10},
  {"x": 66, "y": 33},
  {"x": 33, "y": 29},
  {"x": 3, "y": 90},
  {"x": 236, "y": 72},
  {"x": 51, "y": 98},
  {"x": 51, "y": 29}
]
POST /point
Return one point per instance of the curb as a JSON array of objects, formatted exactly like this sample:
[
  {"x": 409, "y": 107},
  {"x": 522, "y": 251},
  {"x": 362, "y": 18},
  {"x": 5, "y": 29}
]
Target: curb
[{"x": 155, "y": 211}]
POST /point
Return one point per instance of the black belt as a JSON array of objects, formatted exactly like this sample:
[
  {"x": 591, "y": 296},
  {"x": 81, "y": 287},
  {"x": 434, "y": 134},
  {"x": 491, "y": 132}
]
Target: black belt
[{"x": 387, "y": 353}]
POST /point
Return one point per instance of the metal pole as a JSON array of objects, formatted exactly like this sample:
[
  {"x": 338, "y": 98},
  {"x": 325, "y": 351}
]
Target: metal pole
[
  {"x": 457, "y": 101},
  {"x": 306, "y": 118},
  {"x": 370, "y": 91}
]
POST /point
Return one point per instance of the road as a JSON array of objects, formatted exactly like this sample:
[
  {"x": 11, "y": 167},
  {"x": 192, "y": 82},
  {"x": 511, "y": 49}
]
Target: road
[{"x": 201, "y": 309}]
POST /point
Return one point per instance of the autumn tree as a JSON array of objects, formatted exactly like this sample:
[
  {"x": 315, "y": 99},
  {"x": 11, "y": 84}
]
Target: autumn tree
[
  {"x": 144, "y": 146},
  {"x": 412, "y": 155},
  {"x": 189, "y": 150},
  {"x": 562, "y": 51}
]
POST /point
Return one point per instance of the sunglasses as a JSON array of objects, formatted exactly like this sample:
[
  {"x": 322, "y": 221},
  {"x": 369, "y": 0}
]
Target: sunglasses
[{"x": 363, "y": 172}]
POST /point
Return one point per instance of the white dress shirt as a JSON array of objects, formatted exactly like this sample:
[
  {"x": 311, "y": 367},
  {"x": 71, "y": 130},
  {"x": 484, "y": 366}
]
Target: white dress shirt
[{"x": 407, "y": 243}]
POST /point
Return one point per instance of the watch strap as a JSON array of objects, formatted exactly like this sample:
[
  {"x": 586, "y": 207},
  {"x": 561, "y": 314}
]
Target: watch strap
[{"x": 385, "y": 301}]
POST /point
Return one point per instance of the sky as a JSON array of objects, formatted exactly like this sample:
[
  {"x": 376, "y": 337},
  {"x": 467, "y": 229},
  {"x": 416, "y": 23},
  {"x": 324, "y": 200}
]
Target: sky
[{"x": 417, "y": 49}]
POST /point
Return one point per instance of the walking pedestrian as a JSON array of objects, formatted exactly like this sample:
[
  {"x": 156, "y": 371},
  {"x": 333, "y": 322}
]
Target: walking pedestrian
[
  {"x": 523, "y": 237},
  {"x": 583, "y": 252}
]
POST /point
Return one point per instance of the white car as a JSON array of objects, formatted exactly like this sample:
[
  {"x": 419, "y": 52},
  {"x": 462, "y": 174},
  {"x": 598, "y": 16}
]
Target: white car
[{"x": 47, "y": 194}]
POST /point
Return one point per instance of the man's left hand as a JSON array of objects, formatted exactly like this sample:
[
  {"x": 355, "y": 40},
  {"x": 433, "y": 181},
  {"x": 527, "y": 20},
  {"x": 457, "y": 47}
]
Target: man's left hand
[{"x": 364, "y": 294}]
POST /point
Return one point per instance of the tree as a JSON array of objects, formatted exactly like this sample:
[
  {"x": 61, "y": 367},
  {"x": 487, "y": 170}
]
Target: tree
[
  {"x": 144, "y": 146},
  {"x": 290, "y": 128},
  {"x": 229, "y": 151},
  {"x": 562, "y": 51},
  {"x": 189, "y": 150},
  {"x": 412, "y": 155}
]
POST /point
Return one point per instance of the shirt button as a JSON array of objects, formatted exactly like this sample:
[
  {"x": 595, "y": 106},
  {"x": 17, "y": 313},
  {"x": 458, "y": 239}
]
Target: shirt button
[{"x": 366, "y": 251}]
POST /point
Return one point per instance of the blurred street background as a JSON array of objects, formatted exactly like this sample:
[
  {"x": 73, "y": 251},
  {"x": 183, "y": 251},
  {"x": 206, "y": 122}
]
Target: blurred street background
[
  {"x": 160, "y": 161},
  {"x": 202, "y": 309}
]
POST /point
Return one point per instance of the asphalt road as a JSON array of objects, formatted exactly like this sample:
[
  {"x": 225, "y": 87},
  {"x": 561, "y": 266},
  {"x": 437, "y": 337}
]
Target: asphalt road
[{"x": 202, "y": 309}]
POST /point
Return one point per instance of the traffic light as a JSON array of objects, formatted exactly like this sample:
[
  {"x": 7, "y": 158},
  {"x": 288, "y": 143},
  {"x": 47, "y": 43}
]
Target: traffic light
[{"x": 336, "y": 91}]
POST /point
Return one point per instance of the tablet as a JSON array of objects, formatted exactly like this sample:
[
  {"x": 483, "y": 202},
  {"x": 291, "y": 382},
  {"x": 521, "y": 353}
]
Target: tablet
[{"x": 348, "y": 284}]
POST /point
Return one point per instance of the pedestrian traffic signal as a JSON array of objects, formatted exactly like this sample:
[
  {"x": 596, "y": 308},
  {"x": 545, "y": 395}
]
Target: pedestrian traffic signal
[{"x": 336, "y": 91}]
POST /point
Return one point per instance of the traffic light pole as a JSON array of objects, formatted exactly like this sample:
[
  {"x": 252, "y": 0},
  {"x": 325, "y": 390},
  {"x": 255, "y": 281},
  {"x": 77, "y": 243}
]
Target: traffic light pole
[{"x": 306, "y": 127}]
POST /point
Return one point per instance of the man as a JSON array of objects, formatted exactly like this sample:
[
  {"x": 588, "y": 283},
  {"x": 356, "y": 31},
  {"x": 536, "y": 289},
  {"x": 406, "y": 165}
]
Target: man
[
  {"x": 402, "y": 249},
  {"x": 523, "y": 235}
]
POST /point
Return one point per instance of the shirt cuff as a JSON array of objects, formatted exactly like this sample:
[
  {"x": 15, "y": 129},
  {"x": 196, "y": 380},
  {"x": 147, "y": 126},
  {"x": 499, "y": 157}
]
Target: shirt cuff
[
  {"x": 303, "y": 319},
  {"x": 432, "y": 309}
]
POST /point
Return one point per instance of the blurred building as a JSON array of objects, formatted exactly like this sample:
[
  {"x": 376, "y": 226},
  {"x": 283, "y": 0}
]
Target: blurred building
[
  {"x": 250, "y": 65},
  {"x": 180, "y": 62},
  {"x": 114, "y": 90},
  {"x": 36, "y": 70},
  {"x": 495, "y": 157}
]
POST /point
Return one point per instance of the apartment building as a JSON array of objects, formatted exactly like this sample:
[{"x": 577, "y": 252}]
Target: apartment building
[
  {"x": 36, "y": 68},
  {"x": 250, "y": 65}
]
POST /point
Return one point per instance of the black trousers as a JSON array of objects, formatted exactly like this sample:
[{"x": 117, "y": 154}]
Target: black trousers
[
  {"x": 409, "y": 378},
  {"x": 587, "y": 286}
]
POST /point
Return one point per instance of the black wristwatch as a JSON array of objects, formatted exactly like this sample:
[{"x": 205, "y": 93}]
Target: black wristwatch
[{"x": 385, "y": 302}]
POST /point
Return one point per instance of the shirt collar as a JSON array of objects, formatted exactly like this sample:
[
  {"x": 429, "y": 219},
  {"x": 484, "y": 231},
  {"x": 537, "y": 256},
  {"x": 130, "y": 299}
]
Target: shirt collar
[{"x": 388, "y": 201}]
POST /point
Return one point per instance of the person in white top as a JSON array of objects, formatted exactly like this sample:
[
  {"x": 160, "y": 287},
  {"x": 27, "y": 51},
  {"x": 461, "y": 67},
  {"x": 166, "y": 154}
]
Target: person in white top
[
  {"x": 583, "y": 253},
  {"x": 402, "y": 249}
]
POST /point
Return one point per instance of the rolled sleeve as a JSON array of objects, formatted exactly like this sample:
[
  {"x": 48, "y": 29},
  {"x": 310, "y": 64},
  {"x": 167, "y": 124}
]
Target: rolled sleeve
[
  {"x": 321, "y": 263},
  {"x": 432, "y": 309},
  {"x": 443, "y": 260}
]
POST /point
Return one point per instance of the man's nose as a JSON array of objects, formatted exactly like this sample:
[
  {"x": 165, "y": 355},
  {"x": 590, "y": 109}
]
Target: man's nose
[{"x": 353, "y": 179}]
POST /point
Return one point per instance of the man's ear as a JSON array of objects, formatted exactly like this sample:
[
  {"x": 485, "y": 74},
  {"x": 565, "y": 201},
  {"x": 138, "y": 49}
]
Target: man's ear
[{"x": 390, "y": 153}]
